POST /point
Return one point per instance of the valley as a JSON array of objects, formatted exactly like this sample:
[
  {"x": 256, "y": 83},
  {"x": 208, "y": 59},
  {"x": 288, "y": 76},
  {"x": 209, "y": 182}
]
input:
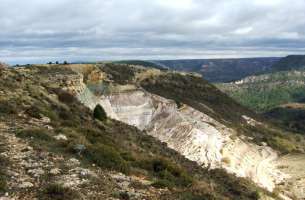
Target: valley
[{"x": 279, "y": 94}]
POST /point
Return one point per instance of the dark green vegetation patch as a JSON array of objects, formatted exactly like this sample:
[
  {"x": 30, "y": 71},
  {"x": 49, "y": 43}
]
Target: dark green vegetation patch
[
  {"x": 55, "y": 191},
  {"x": 99, "y": 113}
]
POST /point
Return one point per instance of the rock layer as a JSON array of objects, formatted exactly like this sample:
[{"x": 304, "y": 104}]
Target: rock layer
[
  {"x": 192, "y": 133},
  {"x": 195, "y": 135}
]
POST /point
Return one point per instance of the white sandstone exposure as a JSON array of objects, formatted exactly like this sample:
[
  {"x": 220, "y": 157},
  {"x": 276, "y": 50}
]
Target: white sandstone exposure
[
  {"x": 196, "y": 140},
  {"x": 191, "y": 133},
  {"x": 195, "y": 135},
  {"x": 90, "y": 100},
  {"x": 134, "y": 108},
  {"x": 249, "y": 160}
]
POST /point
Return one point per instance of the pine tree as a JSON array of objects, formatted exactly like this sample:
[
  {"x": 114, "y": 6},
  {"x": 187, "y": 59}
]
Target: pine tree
[{"x": 99, "y": 113}]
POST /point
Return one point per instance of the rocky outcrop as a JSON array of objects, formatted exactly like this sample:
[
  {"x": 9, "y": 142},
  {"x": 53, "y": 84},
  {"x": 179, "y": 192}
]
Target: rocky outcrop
[
  {"x": 197, "y": 136},
  {"x": 194, "y": 134}
]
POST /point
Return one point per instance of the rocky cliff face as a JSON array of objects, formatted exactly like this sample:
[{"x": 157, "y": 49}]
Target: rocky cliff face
[
  {"x": 194, "y": 134},
  {"x": 197, "y": 136}
]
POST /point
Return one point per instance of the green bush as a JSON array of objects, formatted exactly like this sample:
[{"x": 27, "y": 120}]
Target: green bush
[
  {"x": 58, "y": 192},
  {"x": 65, "y": 97},
  {"x": 124, "y": 196},
  {"x": 7, "y": 107},
  {"x": 281, "y": 143},
  {"x": 37, "y": 133},
  {"x": 120, "y": 73},
  {"x": 99, "y": 113},
  {"x": 163, "y": 183},
  {"x": 179, "y": 104},
  {"x": 107, "y": 157},
  {"x": 34, "y": 112},
  {"x": 169, "y": 173},
  {"x": 3, "y": 176}
]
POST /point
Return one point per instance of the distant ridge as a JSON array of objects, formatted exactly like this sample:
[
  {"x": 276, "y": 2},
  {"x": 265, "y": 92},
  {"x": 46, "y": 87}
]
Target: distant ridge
[
  {"x": 291, "y": 62},
  {"x": 143, "y": 63},
  {"x": 222, "y": 70}
]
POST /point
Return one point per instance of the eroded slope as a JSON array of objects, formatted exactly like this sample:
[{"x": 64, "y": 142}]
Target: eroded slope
[
  {"x": 207, "y": 132},
  {"x": 60, "y": 151}
]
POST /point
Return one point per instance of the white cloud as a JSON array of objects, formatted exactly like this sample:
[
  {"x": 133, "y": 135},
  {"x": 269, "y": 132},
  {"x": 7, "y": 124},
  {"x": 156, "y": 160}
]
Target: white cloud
[{"x": 243, "y": 31}]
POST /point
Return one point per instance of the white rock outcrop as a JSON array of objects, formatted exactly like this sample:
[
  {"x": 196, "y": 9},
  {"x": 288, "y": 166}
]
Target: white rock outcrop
[{"x": 194, "y": 134}]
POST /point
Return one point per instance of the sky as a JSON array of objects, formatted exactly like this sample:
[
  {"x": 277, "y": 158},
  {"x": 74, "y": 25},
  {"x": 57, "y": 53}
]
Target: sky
[{"x": 38, "y": 31}]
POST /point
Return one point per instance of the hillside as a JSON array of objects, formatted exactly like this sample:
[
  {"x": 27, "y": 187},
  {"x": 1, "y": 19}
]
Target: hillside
[
  {"x": 216, "y": 131},
  {"x": 290, "y": 116},
  {"x": 278, "y": 94},
  {"x": 291, "y": 62},
  {"x": 59, "y": 154},
  {"x": 168, "y": 135},
  {"x": 222, "y": 70},
  {"x": 264, "y": 92}
]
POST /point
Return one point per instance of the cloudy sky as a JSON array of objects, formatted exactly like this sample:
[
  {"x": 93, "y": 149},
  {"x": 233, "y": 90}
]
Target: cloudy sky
[{"x": 89, "y": 30}]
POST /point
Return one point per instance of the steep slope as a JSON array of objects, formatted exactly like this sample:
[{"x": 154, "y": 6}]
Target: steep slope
[
  {"x": 222, "y": 70},
  {"x": 290, "y": 116},
  {"x": 197, "y": 120},
  {"x": 52, "y": 148}
]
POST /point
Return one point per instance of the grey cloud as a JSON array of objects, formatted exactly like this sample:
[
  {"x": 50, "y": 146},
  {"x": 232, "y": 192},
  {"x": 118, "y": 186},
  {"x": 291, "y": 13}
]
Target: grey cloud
[{"x": 36, "y": 30}]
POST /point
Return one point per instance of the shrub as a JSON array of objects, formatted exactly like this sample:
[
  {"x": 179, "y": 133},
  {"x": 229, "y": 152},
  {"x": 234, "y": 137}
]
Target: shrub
[
  {"x": 124, "y": 196},
  {"x": 34, "y": 112},
  {"x": 38, "y": 133},
  {"x": 121, "y": 74},
  {"x": 3, "y": 185},
  {"x": 121, "y": 195},
  {"x": 163, "y": 183},
  {"x": 58, "y": 192},
  {"x": 107, "y": 157},
  {"x": 179, "y": 104},
  {"x": 285, "y": 145},
  {"x": 169, "y": 172},
  {"x": 3, "y": 176},
  {"x": 99, "y": 113},
  {"x": 7, "y": 107},
  {"x": 65, "y": 97}
]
